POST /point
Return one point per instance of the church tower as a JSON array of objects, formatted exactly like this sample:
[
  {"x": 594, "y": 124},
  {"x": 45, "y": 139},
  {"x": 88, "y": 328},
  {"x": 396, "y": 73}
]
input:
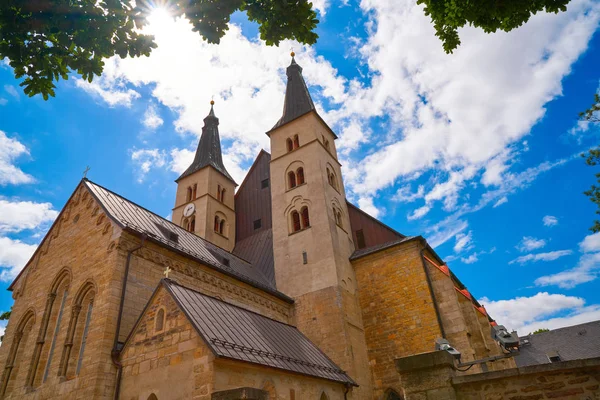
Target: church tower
[
  {"x": 204, "y": 203},
  {"x": 312, "y": 239}
]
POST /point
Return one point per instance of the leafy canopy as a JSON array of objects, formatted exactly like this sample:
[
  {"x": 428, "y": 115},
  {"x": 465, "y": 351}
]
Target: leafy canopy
[
  {"x": 592, "y": 158},
  {"x": 490, "y": 15},
  {"x": 45, "y": 40}
]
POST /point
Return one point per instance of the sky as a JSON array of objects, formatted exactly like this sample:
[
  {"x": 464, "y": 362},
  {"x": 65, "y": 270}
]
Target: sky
[{"x": 477, "y": 151}]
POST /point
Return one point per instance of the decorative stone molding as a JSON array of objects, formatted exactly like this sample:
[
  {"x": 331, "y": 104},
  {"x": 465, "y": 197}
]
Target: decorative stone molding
[{"x": 244, "y": 393}]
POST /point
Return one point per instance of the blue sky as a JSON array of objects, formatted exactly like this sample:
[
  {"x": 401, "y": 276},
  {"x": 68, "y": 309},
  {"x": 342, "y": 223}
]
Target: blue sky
[{"x": 477, "y": 151}]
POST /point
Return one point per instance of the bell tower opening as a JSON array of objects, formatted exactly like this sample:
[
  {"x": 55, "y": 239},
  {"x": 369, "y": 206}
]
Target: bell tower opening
[{"x": 203, "y": 191}]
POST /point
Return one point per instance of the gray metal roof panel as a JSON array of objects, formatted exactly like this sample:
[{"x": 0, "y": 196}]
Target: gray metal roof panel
[
  {"x": 379, "y": 247},
  {"x": 258, "y": 249},
  {"x": 243, "y": 335},
  {"x": 571, "y": 343},
  {"x": 138, "y": 219}
]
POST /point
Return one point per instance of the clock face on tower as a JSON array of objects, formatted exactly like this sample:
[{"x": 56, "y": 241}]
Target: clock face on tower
[{"x": 189, "y": 210}]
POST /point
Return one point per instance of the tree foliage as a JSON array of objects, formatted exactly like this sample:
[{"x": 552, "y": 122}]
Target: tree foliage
[
  {"x": 592, "y": 114},
  {"x": 541, "y": 330},
  {"x": 593, "y": 158},
  {"x": 490, "y": 15},
  {"x": 45, "y": 40}
]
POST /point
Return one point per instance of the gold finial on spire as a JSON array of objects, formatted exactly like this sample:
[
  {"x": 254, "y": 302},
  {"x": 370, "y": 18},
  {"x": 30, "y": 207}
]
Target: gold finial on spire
[
  {"x": 292, "y": 53},
  {"x": 212, "y": 102}
]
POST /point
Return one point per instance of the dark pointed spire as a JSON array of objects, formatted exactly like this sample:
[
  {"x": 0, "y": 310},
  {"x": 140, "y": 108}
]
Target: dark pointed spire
[
  {"x": 209, "y": 148},
  {"x": 297, "y": 98}
]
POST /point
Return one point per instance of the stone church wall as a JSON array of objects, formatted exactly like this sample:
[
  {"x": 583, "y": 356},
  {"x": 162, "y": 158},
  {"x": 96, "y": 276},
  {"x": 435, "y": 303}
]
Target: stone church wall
[
  {"x": 147, "y": 268},
  {"x": 81, "y": 247},
  {"x": 398, "y": 312},
  {"x": 171, "y": 363}
]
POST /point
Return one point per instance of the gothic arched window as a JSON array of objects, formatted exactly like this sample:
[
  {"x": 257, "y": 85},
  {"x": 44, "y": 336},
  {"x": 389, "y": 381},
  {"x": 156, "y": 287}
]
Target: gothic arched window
[
  {"x": 223, "y": 195},
  {"x": 291, "y": 179},
  {"x": 216, "y": 227},
  {"x": 188, "y": 196},
  {"x": 222, "y": 227},
  {"x": 338, "y": 217},
  {"x": 194, "y": 191},
  {"x": 300, "y": 176},
  {"x": 323, "y": 396},
  {"x": 193, "y": 224},
  {"x": 289, "y": 145},
  {"x": 159, "y": 321},
  {"x": 296, "y": 221},
  {"x": 152, "y": 397},
  {"x": 305, "y": 218},
  {"x": 296, "y": 142},
  {"x": 392, "y": 395},
  {"x": 21, "y": 340}
]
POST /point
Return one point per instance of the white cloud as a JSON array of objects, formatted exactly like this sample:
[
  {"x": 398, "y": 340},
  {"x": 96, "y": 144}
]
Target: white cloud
[
  {"x": 145, "y": 159},
  {"x": 501, "y": 201},
  {"x": 549, "y": 220},
  {"x": 11, "y": 90},
  {"x": 590, "y": 243},
  {"x": 13, "y": 256},
  {"x": 463, "y": 242},
  {"x": 16, "y": 216},
  {"x": 405, "y": 195},
  {"x": 181, "y": 160},
  {"x": 473, "y": 258},
  {"x": 529, "y": 243},
  {"x": 418, "y": 213},
  {"x": 550, "y": 256},
  {"x": 543, "y": 310},
  {"x": 366, "y": 204},
  {"x": 152, "y": 119},
  {"x": 10, "y": 150},
  {"x": 109, "y": 89},
  {"x": 442, "y": 233}
]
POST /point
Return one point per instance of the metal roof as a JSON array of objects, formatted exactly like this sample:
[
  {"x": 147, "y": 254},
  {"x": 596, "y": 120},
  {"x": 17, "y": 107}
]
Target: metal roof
[
  {"x": 136, "y": 218},
  {"x": 258, "y": 249},
  {"x": 570, "y": 343},
  {"x": 382, "y": 246},
  {"x": 297, "y": 98},
  {"x": 235, "y": 333},
  {"x": 209, "y": 149}
]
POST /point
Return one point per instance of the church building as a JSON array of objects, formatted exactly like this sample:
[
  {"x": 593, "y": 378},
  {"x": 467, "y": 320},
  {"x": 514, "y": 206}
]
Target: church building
[{"x": 281, "y": 289}]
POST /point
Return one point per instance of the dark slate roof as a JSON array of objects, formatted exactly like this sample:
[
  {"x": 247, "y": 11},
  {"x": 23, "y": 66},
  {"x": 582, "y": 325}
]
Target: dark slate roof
[
  {"x": 571, "y": 343},
  {"x": 138, "y": 219},
  {"x": 235, "y": 333},
  {"x": 373, "y": 249},
  {"x": 297, "y": 98},
  {"x": 258, "y": 249},
  {"x": 209, "y": 149}
]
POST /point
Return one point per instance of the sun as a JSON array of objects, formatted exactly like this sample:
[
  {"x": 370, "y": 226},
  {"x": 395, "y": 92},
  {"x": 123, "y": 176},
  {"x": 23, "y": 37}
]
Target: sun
[{"x": 159, "y": 20}]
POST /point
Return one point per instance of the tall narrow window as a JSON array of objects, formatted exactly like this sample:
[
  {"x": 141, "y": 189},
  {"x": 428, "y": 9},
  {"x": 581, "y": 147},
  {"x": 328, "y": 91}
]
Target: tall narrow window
[
  {"x": 291, "y": 179},
  {"x": 160, "y": 320},
  {"x": 56, "y": 330},
  {"x": 360, "y": 239},
  {"x": 188, "y": 196},
  {"x": 324, "y": 396},
  {"x": 193, "y": 224},
  {"x": 264, "y": 183},
  {"x": 300, "y": 175},
  {"x": 223, "y": 195},
  {"x": 296, "y": 221},
  {"x": 194, "y": 191},
  {"x": 216, "y": 224},
  {"x": 14, "y": 362},
  {"x": 305, "y": 219},
  {"x": 219, "y": 192},
  {"x": 327, "y": 144},
  {"x": 338, "y": 217},
  {"x": 222, "y": 227},
  {"x": 289, "y": 144},
  {"x": 84, "y": 336},
  {"x": 296, "y": 142}
]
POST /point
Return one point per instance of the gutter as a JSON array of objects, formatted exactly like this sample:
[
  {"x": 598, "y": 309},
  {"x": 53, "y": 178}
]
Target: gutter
[
  {"x": 431, "y": 292},
  {"x": 116, "y": 352}
]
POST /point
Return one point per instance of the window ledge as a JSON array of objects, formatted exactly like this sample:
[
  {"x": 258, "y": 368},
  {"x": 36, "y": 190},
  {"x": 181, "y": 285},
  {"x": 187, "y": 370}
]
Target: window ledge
[
  {"x": 296, "y": 187},
  {"x": 220, "y": 234},
  {"x": 301, "y": 230}
]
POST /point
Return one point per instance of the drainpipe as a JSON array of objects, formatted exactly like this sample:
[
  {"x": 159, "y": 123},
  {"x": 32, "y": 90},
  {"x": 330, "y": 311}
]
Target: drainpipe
[
  {"x": 435, "y": 304},
  {"x": 346, "y": 391},
  {"x": 116, "y": 353}
]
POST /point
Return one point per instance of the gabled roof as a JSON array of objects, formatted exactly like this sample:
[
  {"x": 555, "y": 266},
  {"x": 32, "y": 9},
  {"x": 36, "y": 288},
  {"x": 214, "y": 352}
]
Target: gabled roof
[
  {"x": 297, "y": 98},
  {"x": 258, "y": 249},
  {"x": 235, "y": 333},
  {"x": 570, "y": 343},
  {"x": 209, "y": 149},
  {"x": 139, "y": 220},
  {"x": 382, "y": 246}
]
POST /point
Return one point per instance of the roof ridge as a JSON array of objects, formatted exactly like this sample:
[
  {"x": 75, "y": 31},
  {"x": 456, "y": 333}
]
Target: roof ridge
[{"x": 561, "y": 328}]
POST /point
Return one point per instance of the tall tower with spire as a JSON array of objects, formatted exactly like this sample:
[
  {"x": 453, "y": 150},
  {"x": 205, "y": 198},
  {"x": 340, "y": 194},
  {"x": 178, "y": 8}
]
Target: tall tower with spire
[
  {"x": 312, "y": 239},
  {"x": 204, "y": 203}
]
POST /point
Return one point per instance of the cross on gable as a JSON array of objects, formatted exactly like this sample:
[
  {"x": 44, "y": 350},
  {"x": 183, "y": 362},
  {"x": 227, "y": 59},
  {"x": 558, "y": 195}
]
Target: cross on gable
[
  {"x": 87, "y": 169},
  {"x": 167, "y": 271}
]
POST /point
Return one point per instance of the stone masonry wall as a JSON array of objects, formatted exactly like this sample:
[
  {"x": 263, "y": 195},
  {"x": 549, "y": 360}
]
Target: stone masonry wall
[
  {"x": 398, "y": 313},
  {"x": 172, "y": 363},
  {"x": 83, "y": 245}
]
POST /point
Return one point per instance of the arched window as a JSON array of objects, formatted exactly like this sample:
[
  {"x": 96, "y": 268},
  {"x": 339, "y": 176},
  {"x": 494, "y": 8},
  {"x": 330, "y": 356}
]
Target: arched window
[
  {"x": 222, "y": 227},
  {"x": 296, "y": 142},
  {"x": 52, "y": 322},
  {"x": 194, "y": 191},
  {"x": 296, "y": 221},
  {"x": 291, "y": 179},
  {"x": 300, "y": 175},
  {"x": 188, "y": 196},
  {"x": 289, "y": 144},
  {"x": 223, "y": 195},
  {"x": 305, "y": 219},
  {"x": 219, "y": 192},
  {"x": 152, "y": 397},
  {"x": 323, "y": 396},
  {"x": 391, "y": 394},
  {"x": 216, "y": 227},
  {"x": 77, "y": 332},
  {"x": 193, "y": 224},
  {"x": 338, "y": 217},
  {"x": 159, "y": 320},
  {"x": 326, "y": 143},
  {"x": 21, "y": 340}
]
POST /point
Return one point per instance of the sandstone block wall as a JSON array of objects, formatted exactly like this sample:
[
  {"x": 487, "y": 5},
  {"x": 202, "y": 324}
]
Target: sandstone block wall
[{"x": 398, "y": 313}]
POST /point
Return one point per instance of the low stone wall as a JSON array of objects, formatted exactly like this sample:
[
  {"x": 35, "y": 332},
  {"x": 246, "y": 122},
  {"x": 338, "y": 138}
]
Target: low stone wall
[{"x": 432, "y": 376}]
